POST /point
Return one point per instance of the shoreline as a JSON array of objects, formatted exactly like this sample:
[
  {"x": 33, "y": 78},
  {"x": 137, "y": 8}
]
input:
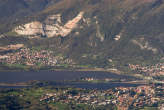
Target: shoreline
[
  {"x": 28, "y": 85},
  {"x": 69, "y": 70}
]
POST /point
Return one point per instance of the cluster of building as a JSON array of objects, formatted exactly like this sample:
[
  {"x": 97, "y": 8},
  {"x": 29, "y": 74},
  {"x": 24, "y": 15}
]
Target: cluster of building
[
  {"x": 32, "y": 57},
  {"x": 155, "y": 70},
  {"x": 91, "y": 79},
  {"x": 123, "y": 98}
]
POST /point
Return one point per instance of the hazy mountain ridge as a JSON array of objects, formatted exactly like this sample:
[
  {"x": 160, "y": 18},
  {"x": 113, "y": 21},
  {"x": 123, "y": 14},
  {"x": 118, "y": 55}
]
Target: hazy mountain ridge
[{"x": 110, "y": 34}]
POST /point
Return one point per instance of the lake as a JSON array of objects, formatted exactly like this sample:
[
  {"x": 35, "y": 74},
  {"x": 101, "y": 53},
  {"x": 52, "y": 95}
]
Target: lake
[{"x": 15, "y": 77}]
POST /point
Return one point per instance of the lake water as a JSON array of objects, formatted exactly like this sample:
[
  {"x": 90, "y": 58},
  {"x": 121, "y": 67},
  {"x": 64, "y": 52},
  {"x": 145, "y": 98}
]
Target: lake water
[{"x": 14, "y": 77}]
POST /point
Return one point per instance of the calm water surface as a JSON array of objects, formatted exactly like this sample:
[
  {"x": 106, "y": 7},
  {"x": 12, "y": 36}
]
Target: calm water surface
[{"x": 12, "y": 77}]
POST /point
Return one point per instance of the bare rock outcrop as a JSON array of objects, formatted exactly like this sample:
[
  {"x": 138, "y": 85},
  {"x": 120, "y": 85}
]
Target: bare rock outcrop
[
  {"x": 50, "y": 28},
  {"x": 30, "y": 29}
]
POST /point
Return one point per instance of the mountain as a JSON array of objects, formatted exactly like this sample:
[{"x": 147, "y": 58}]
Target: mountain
[{"x": 109, "y": 34}]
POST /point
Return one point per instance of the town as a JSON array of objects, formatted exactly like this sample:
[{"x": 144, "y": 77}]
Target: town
[
  {"x": 124, "y": 98},
  {"x": 155, "y": 70},
  {"x": 31, "y": 57}
]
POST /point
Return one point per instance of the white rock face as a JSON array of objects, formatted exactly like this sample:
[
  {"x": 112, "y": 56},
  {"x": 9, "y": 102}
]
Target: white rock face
[
  {"x": 145, "y": 46},
  {"x": 2, "y": 36},
  {"x": 117, "y": 37},
  {"x": 32, "y": 28},
  {"x": 50, "y": 28},
  {"x": 99, "y": 34}
]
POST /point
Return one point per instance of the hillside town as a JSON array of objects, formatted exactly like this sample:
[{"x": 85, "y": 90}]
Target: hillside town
[
  {"x": 155, "y": 70},
  {"x": 124, "y": 98},
  {"x": 31, "y": 57}
]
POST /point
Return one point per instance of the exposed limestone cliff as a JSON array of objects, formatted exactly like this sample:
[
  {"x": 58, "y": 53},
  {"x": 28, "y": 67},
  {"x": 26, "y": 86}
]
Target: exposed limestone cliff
[
  {"x": 30, "y": 29},
  {"x": 50, "y": 28}
]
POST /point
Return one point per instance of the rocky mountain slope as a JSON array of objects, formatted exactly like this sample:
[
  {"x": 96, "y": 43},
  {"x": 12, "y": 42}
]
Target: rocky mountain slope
[
  {"x": 109, "y": 34},
  {"x": 51, "y": 27}
]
